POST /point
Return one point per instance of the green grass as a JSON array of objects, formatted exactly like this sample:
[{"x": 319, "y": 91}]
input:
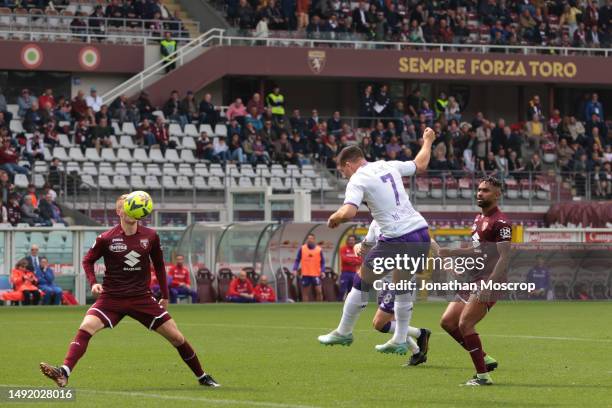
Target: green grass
[{"x": 550, "y": 354}]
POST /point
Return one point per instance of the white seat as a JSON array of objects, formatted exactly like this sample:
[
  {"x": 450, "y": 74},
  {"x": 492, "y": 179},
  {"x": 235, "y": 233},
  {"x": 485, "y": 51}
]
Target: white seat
[
  {"x": 116, "y": 128},
  {"x": 221, "y": 130},
  {"x": 124, "y": 155},
  {"x": 248, "y": 171},
  {"x": 113, "y": 140},
  {"x": 169, "y": 183},
  {"x": 187, "y": 156},
  {"x": 90, "y": 168},
  {"x": 121, "y": 183},
  {"x": 137, "y": 183},
  {"x": 190, "y": 130},
  {"x": 153, "y": 170},
  {"x": 21, "y": 180},
  {"x": 127, "y": 142},
  {"x": 106, "y": 169},
  {"x": 60, "y": 153},
  {"x": 105, "y": 183},
  {"x": 13, "y": 108},
  {"x": 175, "y": 130},
  {"x": 169, "y": 169},
  {"x": 306, "y": 183},
  {"x": 260, "y": 182},
  {"x": 87, "y": 181},
  {"x": 277, "y": 183},
  {"x": 122, "y": 169},
  {"x": 172, "y": 156},
  {"x": 215, "y": 183},
  {"x": 76, "y": 154},
  {"x": 140, "y": 155},
  {"x": 278, "y": 171},
  {"x": 201, "y": 169},
  {"x": 48, "y": 154},
  {"x": 138, "y": 169},
  {"x": 156, "y": 156},
  {"x": 184, "y": 183},
  {"x": 92, "y": 154},
  {"x": 185, "y": 169},
  {"x": 152, "y": 182},
  {"x": 189, "y": 143},
  {"x": 128, "y": 129},
  {"x": 16, "y": 126},
  {"x": 293, "y": 170},
  {"x": 72, "y": 167},
  {"x": 160, "y": 114},
  {"x": 64, "y": 141},
  {"x": 232, "y": 170},
  {"x": 216, "y": 170},
  {"x": 245, "y": 182},
  {"x": 177, "y": 141},
  {"x": 200, "y": 183},
  {"x": 308, "y": 171},
  {"x": 108, "y": 154},
  {"x": 207, "y": 128},
  {"x": 39, "y": 181},
  {"x": 262, "y": 171},
  {"x": 292, "y": 183},
  {"x": 41, "y": 166}
]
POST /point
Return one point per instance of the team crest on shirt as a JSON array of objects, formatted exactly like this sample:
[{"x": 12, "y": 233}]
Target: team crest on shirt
[{"x": 144, "y": 243}]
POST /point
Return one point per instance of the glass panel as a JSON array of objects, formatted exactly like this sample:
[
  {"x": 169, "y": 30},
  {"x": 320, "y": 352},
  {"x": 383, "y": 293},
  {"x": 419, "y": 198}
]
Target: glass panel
[
  {"x": 168, "y": 219},
  {"x": 55, "y": 245}
]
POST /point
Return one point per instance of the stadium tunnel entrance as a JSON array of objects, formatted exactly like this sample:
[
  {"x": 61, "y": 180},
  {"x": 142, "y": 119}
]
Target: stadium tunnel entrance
[{"x": 262, "y": 248}]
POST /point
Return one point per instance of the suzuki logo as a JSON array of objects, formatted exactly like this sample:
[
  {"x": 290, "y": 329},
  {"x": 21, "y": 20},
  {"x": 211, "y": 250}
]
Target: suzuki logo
[{"x": 132, "y": 258}]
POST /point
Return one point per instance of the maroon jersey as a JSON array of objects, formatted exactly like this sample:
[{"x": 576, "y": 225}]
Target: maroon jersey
[
  {"x": 488, "y": 229},
  {"x": 127, "y": 260}
]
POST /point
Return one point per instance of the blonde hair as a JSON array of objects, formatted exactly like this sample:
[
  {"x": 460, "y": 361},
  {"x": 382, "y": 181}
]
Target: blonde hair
[{"x": 120, "y": 200}]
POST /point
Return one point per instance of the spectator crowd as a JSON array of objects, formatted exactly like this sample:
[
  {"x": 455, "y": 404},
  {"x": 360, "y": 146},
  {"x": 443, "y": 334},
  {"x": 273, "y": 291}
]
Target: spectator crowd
[{"x": 560, "y": 22}]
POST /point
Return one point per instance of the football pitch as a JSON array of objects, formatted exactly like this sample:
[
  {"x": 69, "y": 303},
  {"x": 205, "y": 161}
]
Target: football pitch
[{"x": 551, "y": 354}]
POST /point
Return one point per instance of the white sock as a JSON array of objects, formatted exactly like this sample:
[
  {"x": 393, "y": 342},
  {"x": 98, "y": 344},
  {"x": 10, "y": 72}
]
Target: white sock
[
  {"x": 413, "y": 346},
  {"x": 414, "y": 332},
  {"x": 403, "y": 313},
  {"x": 67, "y": 369},
  {"x": 355, "y": 302},
  {"x": 392, "y": 327}
]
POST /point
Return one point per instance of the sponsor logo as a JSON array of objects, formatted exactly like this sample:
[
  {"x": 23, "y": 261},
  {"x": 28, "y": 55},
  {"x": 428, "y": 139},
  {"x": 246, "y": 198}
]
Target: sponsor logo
[
  {"x": 118, "y": 247},
  {"x": 132, "y": 258},
  {"x": 316, "y": 61},
  {"x": 598, "y": 237},
  {"x": 117, "y": 240},
  {"x": 144, "y": 243},
  {"x": 505, "y": 233}
]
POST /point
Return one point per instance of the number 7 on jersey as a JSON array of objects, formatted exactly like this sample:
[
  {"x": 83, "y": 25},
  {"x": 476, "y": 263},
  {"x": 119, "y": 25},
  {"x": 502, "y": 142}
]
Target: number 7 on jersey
[{"x": 389, "y": 177}]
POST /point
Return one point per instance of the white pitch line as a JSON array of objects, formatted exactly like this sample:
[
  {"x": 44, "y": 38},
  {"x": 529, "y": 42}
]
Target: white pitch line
[
  {"x": 181, "y": 398},
  {"x": 514, "y": 336}
]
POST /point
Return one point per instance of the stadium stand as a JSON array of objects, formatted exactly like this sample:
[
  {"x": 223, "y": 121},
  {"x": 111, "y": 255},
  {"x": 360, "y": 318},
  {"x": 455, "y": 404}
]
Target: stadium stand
[{"x": 551, "y": 23}]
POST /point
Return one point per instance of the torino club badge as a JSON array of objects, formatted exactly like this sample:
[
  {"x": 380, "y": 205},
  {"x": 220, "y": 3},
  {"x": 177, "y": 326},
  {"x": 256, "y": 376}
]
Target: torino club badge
[{"x": 144, "y": 243}]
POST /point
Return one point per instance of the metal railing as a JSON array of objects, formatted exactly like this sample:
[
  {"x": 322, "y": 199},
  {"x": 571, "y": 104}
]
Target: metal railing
[
  {"x": 140, "y": 80},
  {"x": 126, "y": 38},
  {"x": 102, "y": 27}
]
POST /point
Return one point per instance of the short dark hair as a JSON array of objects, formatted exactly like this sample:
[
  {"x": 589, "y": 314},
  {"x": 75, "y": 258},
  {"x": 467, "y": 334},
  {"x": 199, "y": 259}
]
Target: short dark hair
[
  {"x": 492, "y": 181},
  {"x": 310, "y": 234},
  {"x": 349, "y": 154}
]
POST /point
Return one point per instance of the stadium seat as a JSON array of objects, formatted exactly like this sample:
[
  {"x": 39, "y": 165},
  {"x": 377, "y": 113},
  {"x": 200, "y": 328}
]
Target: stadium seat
[
  {"x": 200, "y": 183},
  {"x": 105, "y": 183},
  {"x": 306, "y": 183},
  {"x": 512, "y": 191},
  {"x": 262, "y": 171},
  {"x": 185, "y": 169},
  {"x": 127, "y": 142},
  {"x": 38, "y": 180},
  {"x": 122, "y": 169},
  {"x": 422, "y": 190},
  {"x": 90, "y": 168},
  {"x": 260, "y": 182},
  {"x": 73, "y": 167},
  {"x": 16, "y": 126},
  {"x": 92, "y": 154},
  {"x": 208, "y": 129},
  {"x": 176, "y": 141},
  {"x": 172, "y": 156},
  {"x": 60, "y": 153},
  {"x": 21, "y": 181},
  {"x": 247, "y": 170},
  {"x": 526, "y": 189},
  {"x": 64, "y": 141},
  {"x": 465, "y": 187},
  {"x": 41, "y": 167},
  {"x": 175, "y": 130},
  {"x": 169, "y": 183},
  {"x": 308, "y": 171},
  {"x": 184, "y": 183},
  {"x": 169, "y": 169},
  {"x": 232, "y": 170},
  {"x": 436, "y": 187},
  {"x": 216, "y": 170},
  {"x": 116, "y": 128},
  {"x": 47, "y": 153},
  {"x": 322, "y": 184},
  {"x": 156, "y": 156},
  {"x": 245, "y": 182},
  {"x": 106, "y": 169},
  {"x": 76, "y": 154},
  {"x": 201, "y": 169},
  {"x": 187, "y": 156},
  {"x": 190, "y": 130},
  {"x": 124, "y": 155},
  {"x": 153, "y": 170},
  {"x": 293, "y": 170},
  {"x": 221, "y": 130},
  {"x": 114, "y": 141},
  {"x": 277, "y": 171},
  {"x": 121, "y": 183},
  {"x": 138, "y": 169},
  {"x": 87, "y": 181},
  {"x": 128, "y": 129},
  {"x": 277, "y": 183},
  {"x": 189, "y": 143},
  {"x": 215, "y": 183},
  {"x": 452, "y": 187},
  {"x": 152, "y": 182},
  {"x": 108, "y": 154},
  {"x": 141, "y": 155},
  {"x": 137, "y": 183}
]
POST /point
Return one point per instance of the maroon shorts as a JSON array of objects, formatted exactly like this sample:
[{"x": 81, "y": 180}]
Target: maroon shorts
[
  {"x": 145, "y": 309},
  {"x": 464, "y": 296}
]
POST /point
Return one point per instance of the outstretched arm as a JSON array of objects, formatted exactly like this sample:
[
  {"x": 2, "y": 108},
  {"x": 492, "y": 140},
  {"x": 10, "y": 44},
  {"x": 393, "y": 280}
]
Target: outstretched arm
[
  {"x": 346, "y": 213},
  {"x": 422, "y": 158}
]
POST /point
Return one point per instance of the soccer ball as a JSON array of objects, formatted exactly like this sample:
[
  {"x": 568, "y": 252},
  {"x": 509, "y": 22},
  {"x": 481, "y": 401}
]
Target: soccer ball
[{"x": 138, "y": 204}]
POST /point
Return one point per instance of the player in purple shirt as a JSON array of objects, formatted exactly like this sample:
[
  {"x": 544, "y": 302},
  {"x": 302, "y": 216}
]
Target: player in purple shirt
[
  {"x": 127, "y": 250},
  {"x": 540, "y": 276}
]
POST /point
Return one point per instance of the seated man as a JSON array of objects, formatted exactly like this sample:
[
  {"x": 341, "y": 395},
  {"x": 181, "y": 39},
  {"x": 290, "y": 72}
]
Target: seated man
[
  {"x": 540, "y": 276},
  {"x": 240, "y": 289},
  {"x": 46, "y": 283},
  {"x": 181, "y": 281},
  {"x": 263, "y": 292}
]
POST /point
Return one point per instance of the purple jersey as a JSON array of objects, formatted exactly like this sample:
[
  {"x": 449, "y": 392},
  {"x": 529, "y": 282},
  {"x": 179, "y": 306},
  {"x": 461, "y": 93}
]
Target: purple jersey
[{"x": 127, "y": 260}]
